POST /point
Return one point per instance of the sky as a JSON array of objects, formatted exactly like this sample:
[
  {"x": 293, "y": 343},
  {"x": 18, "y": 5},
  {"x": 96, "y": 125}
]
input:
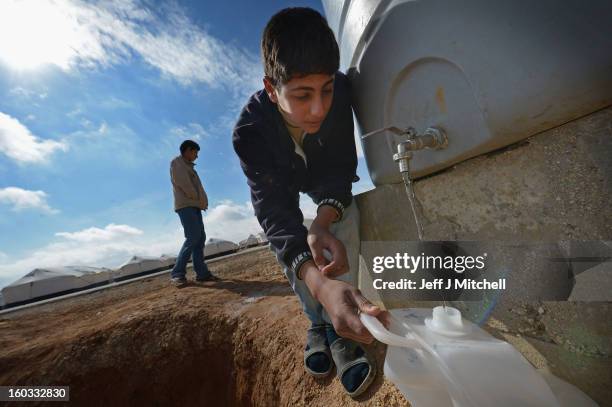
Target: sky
[{"x": 95, "y": 98}]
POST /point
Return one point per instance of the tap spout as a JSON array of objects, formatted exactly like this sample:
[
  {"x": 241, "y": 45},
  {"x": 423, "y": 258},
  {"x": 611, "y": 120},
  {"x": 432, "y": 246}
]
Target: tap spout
[{"x": 433, "y": 138}]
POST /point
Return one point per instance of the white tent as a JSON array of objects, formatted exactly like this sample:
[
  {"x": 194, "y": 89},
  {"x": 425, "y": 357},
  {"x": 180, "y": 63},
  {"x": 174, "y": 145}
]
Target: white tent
[
  {"x": 42, "y": 282},
  {"x": 249, "y": 242},
  {"x": 138, "y": 265},
  {"x": 215, "y": 247},
  {"x": 261, "y": 238}
]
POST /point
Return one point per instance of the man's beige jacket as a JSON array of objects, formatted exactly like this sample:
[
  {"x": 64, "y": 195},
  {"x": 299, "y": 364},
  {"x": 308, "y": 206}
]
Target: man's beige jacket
[{"x": 186, "y": 184}]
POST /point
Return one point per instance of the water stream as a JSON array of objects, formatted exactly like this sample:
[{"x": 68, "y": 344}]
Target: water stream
[{"x": 413, "y": 205}]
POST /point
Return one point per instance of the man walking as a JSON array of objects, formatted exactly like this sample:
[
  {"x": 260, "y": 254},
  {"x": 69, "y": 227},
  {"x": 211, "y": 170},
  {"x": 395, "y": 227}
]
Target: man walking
[{"x": 189, "y": 201}]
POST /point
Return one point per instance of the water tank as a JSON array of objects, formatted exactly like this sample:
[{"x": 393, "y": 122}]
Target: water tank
[{"x": 489, "y": 73}]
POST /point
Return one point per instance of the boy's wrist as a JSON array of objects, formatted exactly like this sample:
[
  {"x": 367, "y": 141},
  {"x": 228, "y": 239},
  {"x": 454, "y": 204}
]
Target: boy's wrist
[
  {"x": 334, "y": 204},
  {"x": 326, "y": 215},
  {"x": 312, "y": 277},
  {"x": 298, "y": 261}
]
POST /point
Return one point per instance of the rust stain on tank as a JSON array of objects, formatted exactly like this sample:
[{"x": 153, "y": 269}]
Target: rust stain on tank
[{"x": 440, "y": 100}]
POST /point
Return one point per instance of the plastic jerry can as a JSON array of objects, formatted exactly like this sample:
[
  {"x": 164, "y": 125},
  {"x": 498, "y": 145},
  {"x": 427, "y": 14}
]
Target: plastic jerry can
[{"x": 438, "y": 359}]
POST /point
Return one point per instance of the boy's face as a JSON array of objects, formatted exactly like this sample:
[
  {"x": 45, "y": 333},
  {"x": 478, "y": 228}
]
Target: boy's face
[
  {"x": 303, "y": 101},
  {"x": 191, "y": 154}
]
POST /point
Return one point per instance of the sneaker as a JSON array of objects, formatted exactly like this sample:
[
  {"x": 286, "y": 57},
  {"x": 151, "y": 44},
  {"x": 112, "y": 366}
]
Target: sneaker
[
  {"x": 209, "y": 278},
  {"x": 178, "y": 281}
]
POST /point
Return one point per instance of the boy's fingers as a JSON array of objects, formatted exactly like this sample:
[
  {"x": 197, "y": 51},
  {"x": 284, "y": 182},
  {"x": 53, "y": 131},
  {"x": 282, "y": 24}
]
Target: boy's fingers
[
  {"x": 330, "y": 268},
  {"x": 365, "y": 305}
]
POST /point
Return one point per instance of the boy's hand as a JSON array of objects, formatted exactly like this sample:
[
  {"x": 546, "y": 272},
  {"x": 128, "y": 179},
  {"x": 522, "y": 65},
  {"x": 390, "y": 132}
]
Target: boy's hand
[
  {"x": 343, "y": 302},
  {"x": 319, "y": 239}
]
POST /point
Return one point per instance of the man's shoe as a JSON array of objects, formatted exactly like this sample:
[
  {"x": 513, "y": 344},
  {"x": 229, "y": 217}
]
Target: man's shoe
[
  {"x": 178, "y": 281},
  {"x": 209, "y": 278}
]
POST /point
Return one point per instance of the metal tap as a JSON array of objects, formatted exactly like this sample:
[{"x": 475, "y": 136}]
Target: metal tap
[{"x": 433, "y": 138}]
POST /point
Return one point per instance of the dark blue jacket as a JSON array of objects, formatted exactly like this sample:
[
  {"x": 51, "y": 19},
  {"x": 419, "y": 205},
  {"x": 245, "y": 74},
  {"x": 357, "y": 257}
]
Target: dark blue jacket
[{"x": 276, "y": 174}]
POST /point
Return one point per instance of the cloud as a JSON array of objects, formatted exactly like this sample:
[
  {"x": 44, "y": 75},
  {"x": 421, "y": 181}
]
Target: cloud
[
  {"x": 77, "y": 111},
  {"x": 113, "y": 103},
  {"x": 231, "y": 221},
  {"x": 77, "y": 34},
  {"x": 94, "y": 234},
  {"x": 24, "y": 93},
  {"x": 193, "y": 131},
  {"x": 22, "y": 199},
  {"x": 18, "y": 143},
  {"x": 115, "y": 143}
]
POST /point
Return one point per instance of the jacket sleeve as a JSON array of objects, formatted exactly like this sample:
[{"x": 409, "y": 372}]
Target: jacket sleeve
[
  {"x": 276, "y": 207},
  {"x": 334, "y": 181},
  {"x": 180, "y": 178},
  {"x": 205, "y": 199}
]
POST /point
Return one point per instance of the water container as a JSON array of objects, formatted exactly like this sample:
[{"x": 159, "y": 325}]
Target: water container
[
  {"x": 439, "y": 359},
  {"x": 489, "y": 73}
]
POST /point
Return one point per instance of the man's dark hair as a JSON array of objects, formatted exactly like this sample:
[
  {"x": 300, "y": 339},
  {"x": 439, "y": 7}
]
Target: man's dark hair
[
  {"x": 189, "y": 145},
  {"x": 296, "y": 42}
]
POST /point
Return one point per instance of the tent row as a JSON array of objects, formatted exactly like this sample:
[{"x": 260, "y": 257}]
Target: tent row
[{"x": 43, "y": 283}]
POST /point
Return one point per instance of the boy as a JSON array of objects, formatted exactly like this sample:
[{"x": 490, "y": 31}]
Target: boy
[
  {"x": 189, "y": 201},
  {"x": 296, "y": 135}
]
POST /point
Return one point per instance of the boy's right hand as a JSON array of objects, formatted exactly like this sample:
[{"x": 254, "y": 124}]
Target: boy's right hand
[
  {"x": 343, "y": 303},
  {"x": 320, "y": 239}
]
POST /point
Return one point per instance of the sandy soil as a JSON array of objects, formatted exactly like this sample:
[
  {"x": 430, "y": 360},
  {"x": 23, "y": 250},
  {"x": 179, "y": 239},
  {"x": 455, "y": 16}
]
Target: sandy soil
[
  {"x": 239, "y": 341},
  {"x": 236, "y": 342}
]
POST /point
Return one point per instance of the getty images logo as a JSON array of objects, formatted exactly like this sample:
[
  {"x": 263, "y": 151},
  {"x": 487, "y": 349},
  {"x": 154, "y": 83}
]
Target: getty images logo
[{"x": 404, "y": 261}]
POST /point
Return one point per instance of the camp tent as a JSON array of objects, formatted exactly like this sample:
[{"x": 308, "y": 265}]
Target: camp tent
[
  {"x": 215, "y": 247},
  {"x": 47, "y": 282},
  {"x": 261, "y": 238},
  {"x": 249, "y": 242},
  {"x": 139, "y": 265}
]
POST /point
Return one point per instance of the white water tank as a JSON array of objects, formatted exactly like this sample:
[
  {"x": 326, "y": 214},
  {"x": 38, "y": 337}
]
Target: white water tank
[{"x": 490, "y": 73}]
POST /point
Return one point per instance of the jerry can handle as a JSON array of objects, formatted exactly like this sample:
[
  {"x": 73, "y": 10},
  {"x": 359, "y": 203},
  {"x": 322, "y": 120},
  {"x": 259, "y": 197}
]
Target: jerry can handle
[{"x": 382, "y": 334}]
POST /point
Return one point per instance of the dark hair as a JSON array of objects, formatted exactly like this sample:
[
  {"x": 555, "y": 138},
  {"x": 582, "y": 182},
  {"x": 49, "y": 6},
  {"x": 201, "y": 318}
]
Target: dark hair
[
  {"x": 297, "y": 41},
  {"x": 189, "y": 145}
]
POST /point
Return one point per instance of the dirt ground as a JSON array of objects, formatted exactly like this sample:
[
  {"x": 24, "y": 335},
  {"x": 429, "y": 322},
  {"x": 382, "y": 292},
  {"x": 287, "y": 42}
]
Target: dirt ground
[{"x": 236, "y": 342}]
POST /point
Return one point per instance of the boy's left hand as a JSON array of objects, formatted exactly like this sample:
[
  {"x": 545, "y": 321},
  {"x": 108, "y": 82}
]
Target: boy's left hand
[{"x": 319, "y": 239}]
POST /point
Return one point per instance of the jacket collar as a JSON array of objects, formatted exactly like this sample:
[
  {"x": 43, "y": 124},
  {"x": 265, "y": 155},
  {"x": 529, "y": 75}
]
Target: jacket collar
[{"x": 186, "y": 161}]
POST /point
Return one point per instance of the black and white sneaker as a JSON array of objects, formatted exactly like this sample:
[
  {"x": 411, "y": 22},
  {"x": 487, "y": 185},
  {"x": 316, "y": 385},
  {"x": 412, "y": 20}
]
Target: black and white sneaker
[{"x": 178, "y": 281}]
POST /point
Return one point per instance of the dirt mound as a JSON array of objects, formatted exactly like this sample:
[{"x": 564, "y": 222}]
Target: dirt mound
[{"x": 234, "y": 342}]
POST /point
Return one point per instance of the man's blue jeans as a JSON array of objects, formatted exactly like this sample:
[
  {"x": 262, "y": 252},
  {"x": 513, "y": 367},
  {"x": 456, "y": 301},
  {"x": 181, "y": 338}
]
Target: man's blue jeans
[{"x": 191, "y": 219}]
